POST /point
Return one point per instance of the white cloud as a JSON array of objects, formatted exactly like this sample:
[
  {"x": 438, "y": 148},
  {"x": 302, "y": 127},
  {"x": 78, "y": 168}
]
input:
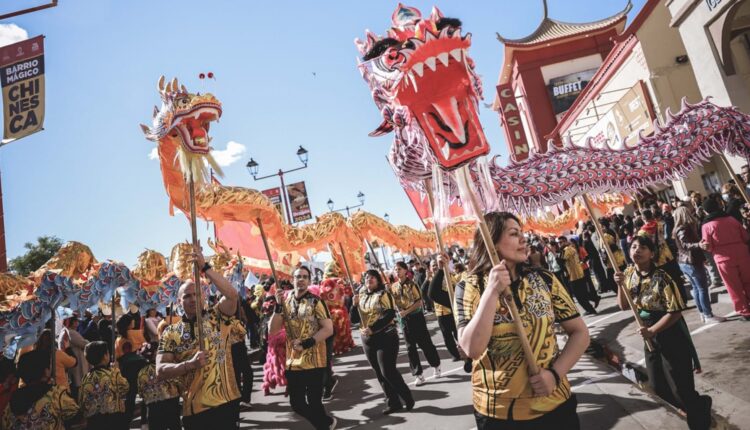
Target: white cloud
[
  {"x": 229, "y": 156},
  {"x": 11, "y": 33},
  {"x": 154, "y": 154}
]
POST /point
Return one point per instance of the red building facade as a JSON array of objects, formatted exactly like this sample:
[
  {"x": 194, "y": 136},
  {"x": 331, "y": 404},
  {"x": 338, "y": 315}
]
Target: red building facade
[{"x": 543, "y": 73}]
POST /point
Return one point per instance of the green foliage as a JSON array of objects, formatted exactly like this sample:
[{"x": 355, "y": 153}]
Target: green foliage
[{"x": 36, "y": 255}]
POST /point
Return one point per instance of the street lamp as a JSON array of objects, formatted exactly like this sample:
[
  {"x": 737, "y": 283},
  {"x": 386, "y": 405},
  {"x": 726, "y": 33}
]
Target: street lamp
[
  {"x": 360, "y": 197},
  {"x": 253, "y": 167},
  {"x": 302, "y": 154},
  {"x": 387, "y": 217}
]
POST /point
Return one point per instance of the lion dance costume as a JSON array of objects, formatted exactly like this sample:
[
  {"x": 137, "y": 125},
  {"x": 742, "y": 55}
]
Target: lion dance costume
[{"x": 332, "y": 291}]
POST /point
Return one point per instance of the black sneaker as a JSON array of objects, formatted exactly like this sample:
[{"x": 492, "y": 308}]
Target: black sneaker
[
  {"x": 467, "y": 366},
  {"x": 392, "y": 409},
  {"x": 328, "y": 392},
  {"x": 596, "y": 301},
  {"x": 410, "y": 405}
]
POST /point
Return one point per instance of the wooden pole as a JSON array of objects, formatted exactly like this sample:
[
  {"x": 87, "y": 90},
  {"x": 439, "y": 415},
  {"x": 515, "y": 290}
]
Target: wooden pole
[
  {"x": 268, "y": 251},
  {"x": 463, "y": 175},
  {"x": 114, "y": 314},
  {"x": 377, "y": 263},
  {"x": 440, "y": 245},
  {"x": 53, "y": 358},
  {"x": 196, "y": 269},
  {"x": 612, "y": 262},
  {"x": 737, "y": 181}
]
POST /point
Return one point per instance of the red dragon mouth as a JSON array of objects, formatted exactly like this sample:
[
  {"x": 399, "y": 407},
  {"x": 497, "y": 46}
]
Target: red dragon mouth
[{"x": 193, "y": 124}]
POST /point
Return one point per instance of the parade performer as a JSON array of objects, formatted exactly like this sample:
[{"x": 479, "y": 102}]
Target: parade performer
[
  {"x": 103, "y": 391},
  {"x": 443, "y": 306},
  {"x": 377, "y": 311},
  {"x": 660, "y": 306},
  {"x": 38, "y": 405},
  {"x": 408, "y": 298},
  {"x": 210, "y": 391},
  {"x": 161, "y": 396},
  {"x": 505, "y": 394},
  {"x": 273, "y": 368},
  {"x": 332, "y": 291},
  {"x": 308, "y": 324}
]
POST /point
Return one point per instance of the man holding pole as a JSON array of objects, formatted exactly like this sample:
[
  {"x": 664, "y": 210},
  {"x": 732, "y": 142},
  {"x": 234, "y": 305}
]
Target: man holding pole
[
  {"x": 308, "y": 324},
  {"x": 209, "y": 390}
]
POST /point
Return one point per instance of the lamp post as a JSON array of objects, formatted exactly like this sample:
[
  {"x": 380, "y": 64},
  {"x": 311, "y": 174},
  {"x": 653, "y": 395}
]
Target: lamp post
[
  {"x": 360, "y": 197},
  {"x": 253, "y": 167},
  {"x": 387, "y": 217}
]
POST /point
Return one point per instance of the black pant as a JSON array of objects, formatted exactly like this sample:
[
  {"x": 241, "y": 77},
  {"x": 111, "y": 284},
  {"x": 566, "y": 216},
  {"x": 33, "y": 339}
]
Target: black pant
[
  {"x": 578, "y": 288},
  {"x": 670, "y": 373},
  {"x": 243, "y": 371},
  {"x": 224, "y": 416},
  {"x": 165, "y": 415},
  {"x": 416, "y": 334},
  {"x": 381, "y": 350},
  {"x": 328, "y": 377},
  {"x": 429, "y": 306},
  {"x": 450, "y": 335},
  {"x": 590, "y": 284},
  {"x": 306, "y": 395},
  {"x": 563, "y": 417},
  {"x": 108, "y": 421},
  {"x": 599, "y": 273}
]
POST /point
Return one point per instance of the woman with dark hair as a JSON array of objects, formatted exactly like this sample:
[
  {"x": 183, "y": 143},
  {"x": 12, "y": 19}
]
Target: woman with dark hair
[
  {"x": 64, "y": 358},
  {"x": 377, "y": 311},
  {"x": 659, "y": 303},
  {"x": 505, "y": 394},
  {"x": 408, "y": 299}
]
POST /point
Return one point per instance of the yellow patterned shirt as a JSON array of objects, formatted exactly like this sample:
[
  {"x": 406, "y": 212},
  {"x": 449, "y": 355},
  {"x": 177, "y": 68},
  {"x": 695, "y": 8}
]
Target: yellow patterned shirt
[
  {"x": 500, "y": 378},
  {"x": 302, "y": 319},
  {"x": 619, "y": 255},
  {"x": 572, "y": 263},
  {"x": 47, "y": 413},
  {"x": 153, "y": 390},
  {"x": 653, "y": 294},
  {"x": 372, "y": 305},
  {"x": 441, "y": 310},
  {"x": 405, "y": 293},
  {"x": 103, "y": 391},
  {"x": 213, "y": 384}
]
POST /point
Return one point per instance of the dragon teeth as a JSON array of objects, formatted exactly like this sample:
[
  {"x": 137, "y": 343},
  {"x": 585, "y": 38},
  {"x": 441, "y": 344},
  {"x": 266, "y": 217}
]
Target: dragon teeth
[
  {"x": 419, "y": 68},
  {"x": 431, "y": 63},
  {"x": 443, "y": 58},
  {"x": 456, "y": 54}
]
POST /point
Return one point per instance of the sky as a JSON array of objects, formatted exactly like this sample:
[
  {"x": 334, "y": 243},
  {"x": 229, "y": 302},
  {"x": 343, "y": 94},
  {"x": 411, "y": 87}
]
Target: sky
[{"x": 285, "y": 73}]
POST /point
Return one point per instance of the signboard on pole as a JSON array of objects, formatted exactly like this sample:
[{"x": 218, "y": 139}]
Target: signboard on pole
[
  {"x": 298, "y": 202},
  {"x": 22, "y": 80},
  {"x": 274, "y": 195},
  {"x": 564, "y": 90},
  {"x": 511, "y": 116}
]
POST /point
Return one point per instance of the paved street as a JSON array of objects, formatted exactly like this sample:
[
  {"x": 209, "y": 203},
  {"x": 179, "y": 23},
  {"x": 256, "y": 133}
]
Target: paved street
[{"x": 607, "y": 399}]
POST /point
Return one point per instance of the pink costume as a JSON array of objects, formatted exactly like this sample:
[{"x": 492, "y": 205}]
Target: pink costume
[
  {"x": 273, "y": 369},
  {"x": 332, "y": 291},
  {"x": 728, "y": 242}
]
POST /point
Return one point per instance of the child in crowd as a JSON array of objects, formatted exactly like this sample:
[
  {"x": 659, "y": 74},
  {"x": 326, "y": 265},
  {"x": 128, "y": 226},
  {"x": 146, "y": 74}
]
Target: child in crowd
[{"x": 103, "y": 391}]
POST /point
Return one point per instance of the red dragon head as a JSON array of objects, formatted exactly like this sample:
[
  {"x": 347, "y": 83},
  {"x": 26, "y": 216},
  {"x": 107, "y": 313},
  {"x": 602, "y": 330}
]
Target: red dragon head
[{"x": 425, "y": 85}]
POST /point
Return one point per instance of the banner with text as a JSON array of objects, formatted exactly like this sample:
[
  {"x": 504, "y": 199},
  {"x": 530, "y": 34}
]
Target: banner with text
[
  {"x": 274, "y": 195},
  {"x": 22, "y": 80},
  {"x": 298, "y": 202}
]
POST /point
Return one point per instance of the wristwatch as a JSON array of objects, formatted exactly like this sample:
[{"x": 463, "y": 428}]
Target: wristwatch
[{"x": 205, "y": 267}]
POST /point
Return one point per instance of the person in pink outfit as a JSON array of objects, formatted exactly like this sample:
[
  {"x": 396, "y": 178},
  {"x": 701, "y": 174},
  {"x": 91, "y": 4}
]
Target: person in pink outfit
[
  {"x": 273, "y": 369},
  {"x": 727, "y": 240}
]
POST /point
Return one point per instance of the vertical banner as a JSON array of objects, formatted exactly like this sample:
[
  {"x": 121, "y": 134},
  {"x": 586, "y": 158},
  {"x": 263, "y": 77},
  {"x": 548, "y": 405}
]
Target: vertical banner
[
  {"x": 511, "y": 117},
  {"x": 274, "y": 195},
  {"x": 22, "y": 80},
  {"x": 300, "y": 206}
]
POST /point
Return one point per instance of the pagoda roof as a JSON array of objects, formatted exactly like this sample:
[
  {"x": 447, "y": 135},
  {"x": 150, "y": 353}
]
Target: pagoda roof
[{"x": 552, "y": 30}]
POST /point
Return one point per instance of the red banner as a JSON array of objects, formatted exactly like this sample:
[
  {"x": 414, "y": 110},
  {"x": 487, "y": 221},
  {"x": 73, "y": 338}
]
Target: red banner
[
  {"x": 422, "y": 206},
  {"x": 274, "y": 195},
  {"x": 246, "y": 238}
]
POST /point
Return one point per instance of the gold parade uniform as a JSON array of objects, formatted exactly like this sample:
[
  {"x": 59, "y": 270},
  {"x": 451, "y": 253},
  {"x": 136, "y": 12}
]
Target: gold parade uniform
[
  {"x": 572, "y": 263},
  {"x": 372, "y": 305},
  {"x": 213, "y": 384},
  {"x": 405, "y": 294},
  {"x": 103, "y": 392},
  {"x": 302, "y": 319},
  {"x": 500, "y": 377},
  {"x": 153, "y": 390},
  {"x": 47, "y": 413}
]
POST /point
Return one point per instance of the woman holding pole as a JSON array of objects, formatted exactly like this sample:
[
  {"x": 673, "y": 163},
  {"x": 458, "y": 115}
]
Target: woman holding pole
[
  {"x": 506, "y": 394},
  {"x": 660, "y": 305}
]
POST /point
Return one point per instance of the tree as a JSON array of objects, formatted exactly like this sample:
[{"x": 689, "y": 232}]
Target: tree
[{"x": 36, "y": 255}]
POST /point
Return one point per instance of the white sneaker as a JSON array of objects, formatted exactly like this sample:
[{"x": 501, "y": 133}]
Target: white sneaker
[
  {"x": 333, "y": 424},
  {"x": 420, "y": 380},
  {"x": 703, "y": 318},
  {"x": 714, "y": 320},
  {"x": 437, "y": 372}
]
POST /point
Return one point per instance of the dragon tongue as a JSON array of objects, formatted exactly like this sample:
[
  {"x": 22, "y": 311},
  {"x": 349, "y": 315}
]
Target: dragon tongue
[{"x": 448, "y": 111}]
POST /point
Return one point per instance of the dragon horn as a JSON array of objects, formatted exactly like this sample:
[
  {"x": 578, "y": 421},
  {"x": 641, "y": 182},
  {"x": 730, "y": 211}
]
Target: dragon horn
[
  {"x": 168, "y": 88},
  {"x": 160, "y": 85},
  {"x": 183, "y": 89},
  {"x": 146, "y": 129},
  {"x": 156, "y": 110},
  {"x": 175, "y": 85}
]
